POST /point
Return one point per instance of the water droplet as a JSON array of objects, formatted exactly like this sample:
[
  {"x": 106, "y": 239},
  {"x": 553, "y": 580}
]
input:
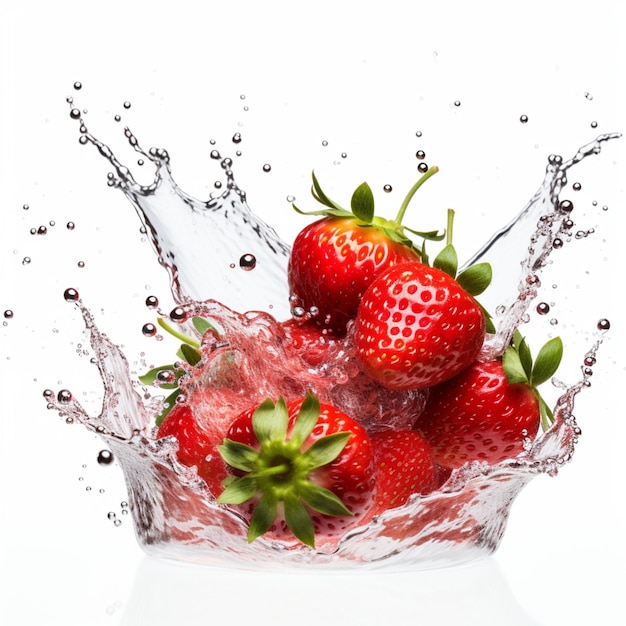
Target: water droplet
[
  {"x": 70, "y": 294},
  {"x": 75, "y": 114},
  {"x": 247, "y": 262},
  {"x": 152, "y": 302},
  {"x": 242, "y": 96},
  {"x": 149, "y": 330},
  {"x": 217, "y": 184},
  {"x": 215, "y": 154},
  {"x": 577, "y": 186},
  {"x": 604, "y": 324},
  {"x": 267, "y": 167},
  {"x": 418, "y": 133},
  {"x": 165, "y": 376},
  {"x": 48, "y": 394},
  {"x": 111, "y": 515},
  {"x": 554, "y": 321},
  {"x": 523, "y": 119},
  {"x": 588, "y": 95},
  {"x": 324, "y": 143},
  {"x": 126, "y": 105},
  {"x": 8, "y": 314},
  {"x": 420, "y": 154},
  {"x": 25, "y": 207},
  {"x": 33, "y": 231},
  {"x": 81, "y": 264},
  {"x": 557, "y": 243},
  {"x": 344, "y": 155},
  {"x": 78, "y": 85},
  {"x": 543, "y": 308},
  {"x": 422, "y": 168},
  {"x": 590, "y": 360},
  {"x": 291, "y": 198},
  {"x": 237, "y": 138},
  {"x": 26, "y": 260},
  {"x": 566, "y": 206},
  {"x": 178, "y": 314},
  {"x": 64, "y": 396},
  {"x": 105, "y": 457},
  {"x": 457, "y": 103},
  {"x": 387, "y": 188},
  {"x": 594, "y": 124}
]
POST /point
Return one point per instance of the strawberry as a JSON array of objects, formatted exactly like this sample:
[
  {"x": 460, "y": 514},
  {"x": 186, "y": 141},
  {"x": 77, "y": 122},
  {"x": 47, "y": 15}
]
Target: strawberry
[
  {"x": 334, "y": 259},
  {"x": 418, "y": 326},
  {"x": 404, "y": 466},
  {"x": 304, "y": 470},
  {"x": 195, "y": 447},
  {"x": 489, "y": 410}
]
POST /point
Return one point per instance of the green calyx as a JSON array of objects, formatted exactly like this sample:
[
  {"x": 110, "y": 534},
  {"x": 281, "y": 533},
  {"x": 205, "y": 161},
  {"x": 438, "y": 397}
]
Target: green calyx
[
  {"x": 519, "y": 367},
  {"x": 168, "y": 376},
  {"x": 279, "y": 471},
  {"x": 362, "y": 210}
]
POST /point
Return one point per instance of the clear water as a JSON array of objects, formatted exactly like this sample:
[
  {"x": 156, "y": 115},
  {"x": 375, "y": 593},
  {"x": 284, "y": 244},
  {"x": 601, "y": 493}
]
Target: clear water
[{"x": 174, "y": 514}]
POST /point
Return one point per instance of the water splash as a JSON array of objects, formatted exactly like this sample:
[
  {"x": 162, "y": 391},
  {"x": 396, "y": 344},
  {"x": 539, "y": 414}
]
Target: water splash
[
  {"x": 174, "y": 513},
  {"x": 198, "y": 242}
]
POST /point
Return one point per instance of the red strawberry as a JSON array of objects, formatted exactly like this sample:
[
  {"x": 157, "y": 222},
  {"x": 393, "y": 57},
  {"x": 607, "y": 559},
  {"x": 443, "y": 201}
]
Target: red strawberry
[
  {"x": 486, "y": 412},
  {"x": 304, "y": 469},
  {"x": 194, "y": 446},
  {"x": 334, "y": 259},
  {"x": 416, "y": 327},
  {"x": 404, "y": 466}
]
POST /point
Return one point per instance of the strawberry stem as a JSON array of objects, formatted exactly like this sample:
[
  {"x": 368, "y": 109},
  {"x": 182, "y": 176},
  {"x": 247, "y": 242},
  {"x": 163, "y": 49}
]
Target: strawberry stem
[
  {"x": 172, "y": 331},
  {"x": 449, "y": 227},
  {"x": 409, "y": 196}
]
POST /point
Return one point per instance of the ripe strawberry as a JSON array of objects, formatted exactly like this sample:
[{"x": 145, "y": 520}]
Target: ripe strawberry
[
  {"x": 416, "y": 327},
  {"x": 486, "y": 412},
  {"x": 304, "y": 469},
  {"x": 194, "y": 446},
  {"x": 404, "y": 466},
  {"x": 334, "y": 259}
]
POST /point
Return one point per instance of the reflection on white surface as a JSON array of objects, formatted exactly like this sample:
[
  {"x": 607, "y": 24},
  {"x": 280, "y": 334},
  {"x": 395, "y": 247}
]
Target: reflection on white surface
[{"x": 473, "y": 594}]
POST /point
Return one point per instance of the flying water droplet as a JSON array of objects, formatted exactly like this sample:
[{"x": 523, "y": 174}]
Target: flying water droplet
[
  {"x": 71, "y": 294},
  {"x": 64, "y": 396},
  {"x": 105, "y": 457},
  {"x": 149, "y": 330},
  {"x": 247, "y": 262}
]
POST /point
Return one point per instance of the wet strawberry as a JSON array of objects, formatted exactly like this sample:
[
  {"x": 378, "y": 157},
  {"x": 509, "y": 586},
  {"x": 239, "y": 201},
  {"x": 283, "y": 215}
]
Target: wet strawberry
[
  {"x": 417, "y": 327},
  {"x": 404, "y": 466},
  {"x": 195, "y": 447},
  {"x": 489, "y": 410}
]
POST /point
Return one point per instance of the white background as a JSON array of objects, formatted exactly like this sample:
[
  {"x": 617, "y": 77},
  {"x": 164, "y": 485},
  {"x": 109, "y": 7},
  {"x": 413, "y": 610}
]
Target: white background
[{"x": 364, "y": 77}]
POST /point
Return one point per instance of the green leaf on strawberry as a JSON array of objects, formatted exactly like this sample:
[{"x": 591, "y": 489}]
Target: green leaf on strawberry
[
  {"x": 519, "y": 367},
  {"x": 188, "y": 352},
  {"x": 362, "y": 210},
  {"x": 288, "y": 457}
]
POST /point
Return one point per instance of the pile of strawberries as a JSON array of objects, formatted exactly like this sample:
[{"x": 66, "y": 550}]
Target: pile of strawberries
[{"x": 296, "y": 466}]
